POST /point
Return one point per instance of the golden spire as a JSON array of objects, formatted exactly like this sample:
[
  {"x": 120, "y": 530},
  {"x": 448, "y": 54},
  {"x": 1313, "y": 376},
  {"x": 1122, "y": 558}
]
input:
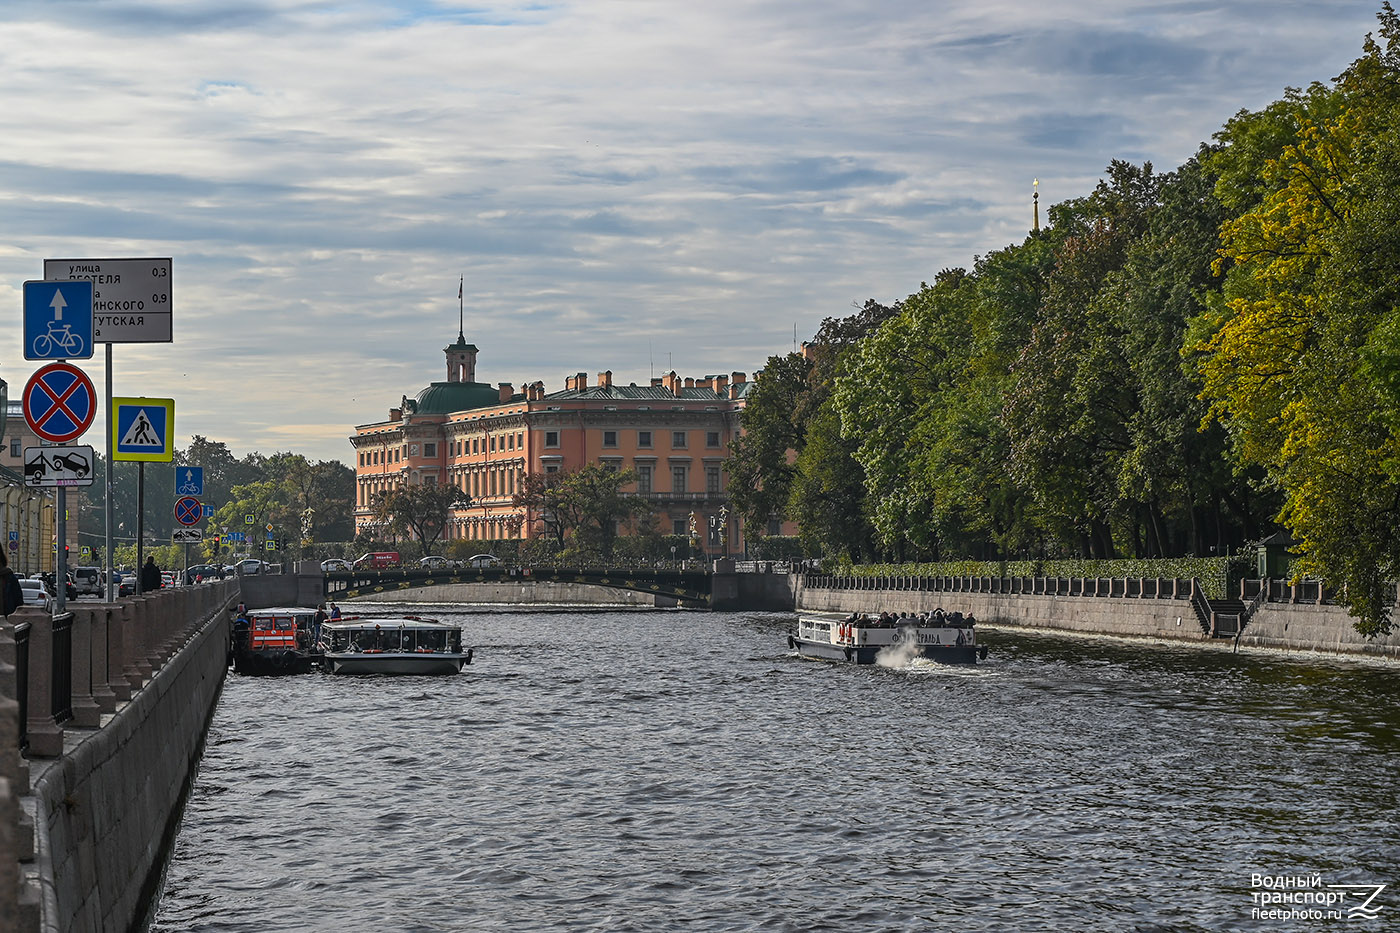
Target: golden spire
[{"x": 1035, "y": 200}]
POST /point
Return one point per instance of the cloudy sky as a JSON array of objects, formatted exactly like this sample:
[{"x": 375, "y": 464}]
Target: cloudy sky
[{"x": 626, "y": 185}]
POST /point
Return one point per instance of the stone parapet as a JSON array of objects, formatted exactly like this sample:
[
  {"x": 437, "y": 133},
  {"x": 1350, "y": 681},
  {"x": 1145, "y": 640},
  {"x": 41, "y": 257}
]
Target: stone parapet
[{"x": 109, "y": 704}]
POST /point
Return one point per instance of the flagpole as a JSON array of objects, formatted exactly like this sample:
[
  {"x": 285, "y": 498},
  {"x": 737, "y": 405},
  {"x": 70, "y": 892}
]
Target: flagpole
[{"x": 461, "y": 315}]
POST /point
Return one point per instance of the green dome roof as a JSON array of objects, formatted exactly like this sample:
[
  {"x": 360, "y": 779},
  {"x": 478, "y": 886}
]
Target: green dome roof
[{"x": 440, "y": 398}]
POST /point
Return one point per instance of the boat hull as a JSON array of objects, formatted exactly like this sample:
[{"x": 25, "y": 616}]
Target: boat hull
[
  {"x": 866, "y": 654},
  {"x": 835, "y": 639},
  {"x": 273, "y": 663},
  {"x": 395, "y": 663}
]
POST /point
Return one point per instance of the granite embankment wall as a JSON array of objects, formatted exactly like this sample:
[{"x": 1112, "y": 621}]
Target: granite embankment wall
[
  {"x": 1127, "y": 608},
  {"x": 114, "y": 699},
  {"x": 1169, "y": 615}
]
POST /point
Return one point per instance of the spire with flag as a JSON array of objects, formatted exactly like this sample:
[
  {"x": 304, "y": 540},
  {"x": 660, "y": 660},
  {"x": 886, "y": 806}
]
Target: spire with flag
[{"x": 461, "y": 330}]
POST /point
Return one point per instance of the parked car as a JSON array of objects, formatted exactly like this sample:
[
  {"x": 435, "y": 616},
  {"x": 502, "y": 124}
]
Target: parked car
[
  {"x": 378, "y": 560},
  {"x": 88, "y": 581},
  {"x": 434, "y": 562},
  {"x": 336, "y": 565},
  {"x": 203, "y": 573},
  {"x": 250, "y": 566},
  {"x": 167, "y": 578},
  {"x": 483, "y": 560},
  {"x": 36, "y": 593}
]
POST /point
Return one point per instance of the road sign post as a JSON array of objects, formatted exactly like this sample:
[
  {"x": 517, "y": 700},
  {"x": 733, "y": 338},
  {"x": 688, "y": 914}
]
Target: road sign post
[
  {"x": 188, "y": 510},
  {"x": 189, "y": 481}
]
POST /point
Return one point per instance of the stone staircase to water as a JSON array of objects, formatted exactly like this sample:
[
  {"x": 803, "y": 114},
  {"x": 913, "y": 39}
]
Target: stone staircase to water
[{"x": 1229, "y": 616}]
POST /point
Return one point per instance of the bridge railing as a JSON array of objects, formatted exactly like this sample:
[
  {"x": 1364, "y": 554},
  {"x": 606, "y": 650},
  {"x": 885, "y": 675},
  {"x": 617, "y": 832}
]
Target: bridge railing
[{"x": 1114, "y": 587}]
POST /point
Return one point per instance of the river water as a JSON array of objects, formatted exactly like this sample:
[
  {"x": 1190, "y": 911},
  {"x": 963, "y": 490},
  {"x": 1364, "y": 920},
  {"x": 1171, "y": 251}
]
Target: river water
[{"x": 664, "y": 770}]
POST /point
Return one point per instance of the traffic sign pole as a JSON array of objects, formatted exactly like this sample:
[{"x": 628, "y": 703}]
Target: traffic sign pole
[
  {"x": 111, "y": 584},
  {"x": 61, "y": 577}
]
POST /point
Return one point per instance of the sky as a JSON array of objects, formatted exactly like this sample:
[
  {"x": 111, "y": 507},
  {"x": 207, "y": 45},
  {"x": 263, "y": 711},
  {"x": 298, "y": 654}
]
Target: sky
[{"x": 619, "y": 185}]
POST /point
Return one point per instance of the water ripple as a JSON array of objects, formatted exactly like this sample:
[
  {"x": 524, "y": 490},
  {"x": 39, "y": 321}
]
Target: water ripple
[{"x": 659, "y": 771}]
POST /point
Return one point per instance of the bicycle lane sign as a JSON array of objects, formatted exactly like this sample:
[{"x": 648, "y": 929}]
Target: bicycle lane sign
[{"x": 58, "y": 320}]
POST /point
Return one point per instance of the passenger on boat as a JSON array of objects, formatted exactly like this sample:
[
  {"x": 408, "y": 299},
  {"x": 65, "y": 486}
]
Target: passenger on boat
[
  {"x": 335, "y": 612},
  {"x": 316, "y": 621}
]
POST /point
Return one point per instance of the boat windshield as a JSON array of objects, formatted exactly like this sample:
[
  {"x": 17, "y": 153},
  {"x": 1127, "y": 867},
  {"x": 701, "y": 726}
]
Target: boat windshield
[{"x": 394, "y": 638}]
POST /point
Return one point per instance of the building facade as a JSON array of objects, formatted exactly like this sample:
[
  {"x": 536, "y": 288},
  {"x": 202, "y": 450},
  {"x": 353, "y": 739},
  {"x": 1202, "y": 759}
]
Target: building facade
[
  {"x": 485, "y": 440},
  {"x": 27, "y": 516}
]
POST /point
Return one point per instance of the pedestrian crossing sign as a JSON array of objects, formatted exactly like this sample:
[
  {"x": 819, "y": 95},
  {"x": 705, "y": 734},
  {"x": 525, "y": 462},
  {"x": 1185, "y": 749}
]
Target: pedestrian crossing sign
[{"x": 143, "y": 429}]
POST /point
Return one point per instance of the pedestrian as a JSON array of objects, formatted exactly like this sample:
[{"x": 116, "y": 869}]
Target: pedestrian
[
  {"x": 10, "y": 590},
  {"x": 150, "y": 576},
  {"x": 335, "y": 612}
]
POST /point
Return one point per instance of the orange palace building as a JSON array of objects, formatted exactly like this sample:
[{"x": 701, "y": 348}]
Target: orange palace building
[{"x": 486, "y": 439}]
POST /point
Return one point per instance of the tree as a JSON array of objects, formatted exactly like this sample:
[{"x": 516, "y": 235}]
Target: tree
[
  {"x": 418, "y": 511},
  {"x": 1296, "y": 356},
  {"x": 585, "y": 505}
]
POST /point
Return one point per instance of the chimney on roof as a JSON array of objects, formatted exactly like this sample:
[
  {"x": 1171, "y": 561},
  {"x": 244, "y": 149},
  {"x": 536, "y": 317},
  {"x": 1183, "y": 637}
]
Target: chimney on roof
[
  {"x": 737, "y": 377},
  {"x": 605, "y": 380},
  {"x": 689, "y": 382},
  {"x": 581, "y": 381},
  {"x": 506, "y": 390},
  {"x": 672, "y": 383},
  {"x": 720, "y": 384},
  {"x": 809, "y": 350},
  {"x": 396, "y": 414},
  {"x": 734, "y": 390},
  {"x": 655, "y": 381}
]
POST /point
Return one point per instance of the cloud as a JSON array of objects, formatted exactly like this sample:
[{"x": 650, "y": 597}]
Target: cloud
[{"x": 623, "y": 186}]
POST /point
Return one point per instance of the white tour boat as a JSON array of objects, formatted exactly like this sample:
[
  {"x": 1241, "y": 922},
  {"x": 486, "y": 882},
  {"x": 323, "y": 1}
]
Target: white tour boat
[
  {"x": 947, "y": 637},
  {"x": 405, "y": 645}
]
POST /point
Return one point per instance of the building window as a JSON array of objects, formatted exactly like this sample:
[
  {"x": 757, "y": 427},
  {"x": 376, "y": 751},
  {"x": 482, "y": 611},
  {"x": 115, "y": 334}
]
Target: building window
[
  {"x": 678, "y": 527},
  {"x": 643, "y": 438},
  {"x": 712, "y": 480},
  {"x": 609, "y": 438},
  {"x": 430, "y": 450},
  {"x": 644, "y": 478},
  {"x": 15, "y": 447},
  {"x": 520, "y": 440},
  {"x": 678, "y": 479},
  {"x": 711, "y": 438},
  {"x": 429, "y": 479},
  {"x": 551, "y": 468},
  {"x": 678, "y": 439},
  {"x": 493, "y": 443},
  {"x": 775, "y": 526},
  {"x": 510, "y": 442},
  {"x": 551, "y": 438},
  {"x": 612, "y": 466}
]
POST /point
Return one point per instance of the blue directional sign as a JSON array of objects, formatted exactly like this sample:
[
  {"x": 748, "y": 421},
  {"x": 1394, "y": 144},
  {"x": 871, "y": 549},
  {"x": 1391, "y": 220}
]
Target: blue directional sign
[
  {"x": 58, "y": 320},
  {"x": 189, "y": 481}
]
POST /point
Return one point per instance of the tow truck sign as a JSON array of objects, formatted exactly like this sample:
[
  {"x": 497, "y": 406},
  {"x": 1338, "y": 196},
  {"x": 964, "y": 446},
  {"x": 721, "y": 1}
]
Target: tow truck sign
[{"x": 58, "y": 466}]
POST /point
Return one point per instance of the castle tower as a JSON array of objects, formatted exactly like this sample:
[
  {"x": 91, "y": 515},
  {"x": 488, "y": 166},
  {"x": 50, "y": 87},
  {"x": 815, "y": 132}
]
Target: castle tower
[{"x": 461, "y": 360}]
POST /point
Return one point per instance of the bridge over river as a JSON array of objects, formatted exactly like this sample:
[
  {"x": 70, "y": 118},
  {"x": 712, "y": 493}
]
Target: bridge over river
[{"x": 687, "y": 587}]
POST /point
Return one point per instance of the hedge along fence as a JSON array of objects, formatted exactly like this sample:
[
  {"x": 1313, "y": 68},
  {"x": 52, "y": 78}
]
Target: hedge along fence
[{"x": 1217, "y": 575}]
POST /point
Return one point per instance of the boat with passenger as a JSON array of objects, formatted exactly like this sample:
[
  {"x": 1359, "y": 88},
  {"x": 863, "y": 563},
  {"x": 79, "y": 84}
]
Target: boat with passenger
[
  {"x": 272, "y": 642},
  {"x": 937, "y": 636},
  {"x": 403, "y": 645}
]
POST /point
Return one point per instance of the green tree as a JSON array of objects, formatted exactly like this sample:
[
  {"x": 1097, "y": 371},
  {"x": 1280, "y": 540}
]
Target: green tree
[
  {"x": 419, "y": 512},
  {"x": 584, "y": 506}
]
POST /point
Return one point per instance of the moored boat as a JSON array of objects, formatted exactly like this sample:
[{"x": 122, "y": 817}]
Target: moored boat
[
  {"x": 406, "y": 645},
  {"x": 947, "y": 637},
  {"x": 271, "y": 642}
]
